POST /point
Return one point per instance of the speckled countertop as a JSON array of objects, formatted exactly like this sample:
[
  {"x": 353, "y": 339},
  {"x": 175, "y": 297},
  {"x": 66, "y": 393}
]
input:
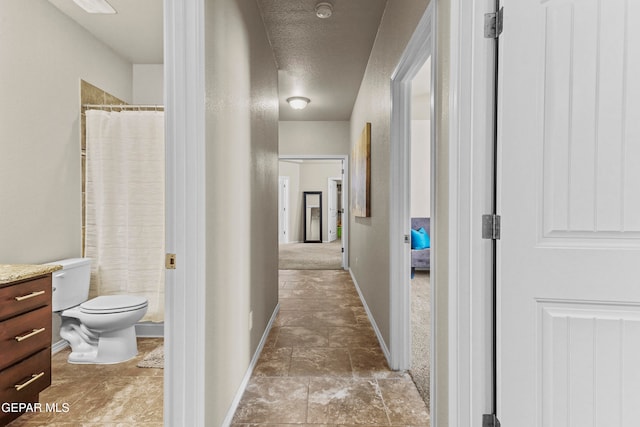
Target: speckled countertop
[{"x": 14, "y": 272}]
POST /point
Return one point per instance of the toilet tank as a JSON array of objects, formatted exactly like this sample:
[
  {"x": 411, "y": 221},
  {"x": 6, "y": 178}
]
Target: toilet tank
[{"x": 71, "y": 284}]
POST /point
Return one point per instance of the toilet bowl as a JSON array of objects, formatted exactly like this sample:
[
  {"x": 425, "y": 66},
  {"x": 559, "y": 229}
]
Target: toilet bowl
[{"x": 100, "y": 330}]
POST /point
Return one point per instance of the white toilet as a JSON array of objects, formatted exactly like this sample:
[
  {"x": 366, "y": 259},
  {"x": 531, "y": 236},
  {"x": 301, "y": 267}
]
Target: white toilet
[{"x": 101, "y": 330}]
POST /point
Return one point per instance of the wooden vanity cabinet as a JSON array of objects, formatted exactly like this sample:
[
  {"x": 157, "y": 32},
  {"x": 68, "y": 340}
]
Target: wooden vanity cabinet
[{"x": 25, "y": 342}]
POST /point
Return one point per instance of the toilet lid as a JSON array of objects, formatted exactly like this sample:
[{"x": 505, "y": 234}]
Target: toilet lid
[{"x": 110, "y": 303}]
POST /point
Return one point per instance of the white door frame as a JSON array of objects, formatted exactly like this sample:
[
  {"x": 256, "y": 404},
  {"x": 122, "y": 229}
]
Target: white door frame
[
  {"x": 345, "y": 194},
  {"x": 419, "y": 49},
  {"x": 185, "y": 340},
  {"x": 283, "y": 200},
  {"x": 465, "y": 328},
  {"x": 470, "y": 166}
]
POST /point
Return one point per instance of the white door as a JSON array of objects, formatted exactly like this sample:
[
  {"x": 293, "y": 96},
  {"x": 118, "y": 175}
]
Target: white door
[
  {"x": 333, "y": 209},
  {"x": 283, "y": 209},
  {"x": 569, "y": 198}
]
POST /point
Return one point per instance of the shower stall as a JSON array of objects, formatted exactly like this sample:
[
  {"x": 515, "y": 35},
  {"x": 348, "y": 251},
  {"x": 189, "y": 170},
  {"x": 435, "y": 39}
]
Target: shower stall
[{"x": 124, "y": 188}]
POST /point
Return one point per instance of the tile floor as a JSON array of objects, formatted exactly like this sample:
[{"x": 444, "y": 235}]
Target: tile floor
[
  {"x": 322, "y": 365},
  {"x": 102, "y": 395}
]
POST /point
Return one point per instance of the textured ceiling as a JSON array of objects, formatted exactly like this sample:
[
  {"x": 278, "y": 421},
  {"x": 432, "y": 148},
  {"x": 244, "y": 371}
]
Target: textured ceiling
[
  {"x": 134, "y": 32},
  {"x": 321, "y": 59}
]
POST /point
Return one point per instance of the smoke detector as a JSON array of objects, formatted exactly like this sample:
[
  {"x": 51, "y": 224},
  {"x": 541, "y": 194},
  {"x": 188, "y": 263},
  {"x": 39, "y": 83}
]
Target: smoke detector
[{"x": 324, "y": 10}]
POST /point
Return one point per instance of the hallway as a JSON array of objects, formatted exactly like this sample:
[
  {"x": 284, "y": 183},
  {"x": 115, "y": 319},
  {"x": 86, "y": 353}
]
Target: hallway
[{"x": 322, "y": 364}]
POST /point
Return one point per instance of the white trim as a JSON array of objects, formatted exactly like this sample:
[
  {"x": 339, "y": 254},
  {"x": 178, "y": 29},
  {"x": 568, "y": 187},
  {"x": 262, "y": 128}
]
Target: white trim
[
  {"x": 59, "y": 346},
  {"x": 185, "y": 339},
  {"x": 345, "y": 193},
  {"x": 383, "y": 345},
  {"x": 415, "y": 55},
  {"x": 469, "y": 264},
  {"x": 247, "y": 376}
]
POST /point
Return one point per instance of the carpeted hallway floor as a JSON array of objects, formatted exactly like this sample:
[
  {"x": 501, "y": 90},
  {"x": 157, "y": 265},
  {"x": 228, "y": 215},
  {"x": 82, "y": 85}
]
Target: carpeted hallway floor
[
  {"x": 311, "y": 256},
  {"x": 420, "y": 333}
]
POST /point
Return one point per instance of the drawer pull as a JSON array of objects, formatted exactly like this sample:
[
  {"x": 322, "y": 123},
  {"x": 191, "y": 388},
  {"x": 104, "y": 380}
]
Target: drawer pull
[
  {"x": 34, "y": 377},
  {"x": 31, "y": 295},
  {"x": 30, "y": 334}
]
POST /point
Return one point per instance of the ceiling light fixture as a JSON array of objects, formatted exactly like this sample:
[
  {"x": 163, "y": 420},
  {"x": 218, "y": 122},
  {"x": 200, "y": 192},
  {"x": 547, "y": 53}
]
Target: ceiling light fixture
[
  {"x": 298, "y": 102},
  {"x": 324, "y": 10},
  {"x": 96, "y": 6}
]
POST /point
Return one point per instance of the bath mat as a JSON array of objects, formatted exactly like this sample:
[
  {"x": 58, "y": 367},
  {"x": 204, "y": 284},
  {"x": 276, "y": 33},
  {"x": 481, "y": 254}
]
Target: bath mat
[{"x": 155, "y": 359}]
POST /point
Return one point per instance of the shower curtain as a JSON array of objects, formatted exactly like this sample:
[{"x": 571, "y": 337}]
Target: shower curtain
[{"x": 124, "y": 193}]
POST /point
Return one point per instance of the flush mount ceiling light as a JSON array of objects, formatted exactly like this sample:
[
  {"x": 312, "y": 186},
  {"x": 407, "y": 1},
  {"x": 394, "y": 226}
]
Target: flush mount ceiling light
[
  {"x": 298, "y": 102},
  {"x": 96, "y": 6},
  {"x": 324, "y": 10}
]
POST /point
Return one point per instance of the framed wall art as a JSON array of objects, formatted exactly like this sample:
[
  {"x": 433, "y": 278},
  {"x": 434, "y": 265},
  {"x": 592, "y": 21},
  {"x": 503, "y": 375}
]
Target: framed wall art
[{"x": 361, "y": 174}]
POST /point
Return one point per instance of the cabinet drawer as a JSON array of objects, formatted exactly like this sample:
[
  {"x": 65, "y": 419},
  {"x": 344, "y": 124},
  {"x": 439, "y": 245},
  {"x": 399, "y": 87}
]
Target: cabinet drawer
[
  {"x": 21, "y": 381},
  {"x": 25, "y": 296},
  {"x": 23, "y": 335}
]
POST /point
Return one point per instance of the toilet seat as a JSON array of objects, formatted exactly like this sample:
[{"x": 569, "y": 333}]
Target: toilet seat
[{"x": 108, "y": 304}]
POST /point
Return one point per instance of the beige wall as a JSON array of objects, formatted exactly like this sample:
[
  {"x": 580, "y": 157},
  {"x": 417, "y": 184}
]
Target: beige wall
[
  {"x": 242, "y": 191},
  {"x": 371, "y": 266},
  {"x": 44, "y": 56},
  {"x": 369, "y": 237},
  {"x": 148, "y": 84},
  {"x": 314, "y": 138}
]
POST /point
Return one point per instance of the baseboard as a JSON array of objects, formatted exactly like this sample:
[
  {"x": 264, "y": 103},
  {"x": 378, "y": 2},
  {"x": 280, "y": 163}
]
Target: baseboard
[
  {"x": 150, "y": 330},
  {"x": 57, "y": 347},
  {"x": 383, "y": 345},
  {"x": 247, "y": 376}
]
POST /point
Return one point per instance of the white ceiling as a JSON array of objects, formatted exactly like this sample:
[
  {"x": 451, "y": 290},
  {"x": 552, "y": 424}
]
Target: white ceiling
[
  {"x": 321, "y": 59},
  {"x": 135, "y": 32}
]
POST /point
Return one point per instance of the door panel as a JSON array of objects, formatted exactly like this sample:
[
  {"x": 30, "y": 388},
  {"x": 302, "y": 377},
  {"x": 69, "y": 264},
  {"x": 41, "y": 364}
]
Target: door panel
[
  {"x": 569, "y": 197},
  {"x": 283, "y": 209},
  {"x": 333, "y": 210}
]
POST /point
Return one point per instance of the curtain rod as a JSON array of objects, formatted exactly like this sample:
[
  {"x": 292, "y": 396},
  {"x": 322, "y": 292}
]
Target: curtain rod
[{"x": 123, "y": 106}]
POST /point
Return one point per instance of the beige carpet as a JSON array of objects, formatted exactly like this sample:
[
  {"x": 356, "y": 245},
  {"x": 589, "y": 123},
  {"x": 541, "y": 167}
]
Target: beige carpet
[
  {"x": 311, "y": 256},
  {"x": 420, "y": 330},
  {"x": 155, "y": 359}
]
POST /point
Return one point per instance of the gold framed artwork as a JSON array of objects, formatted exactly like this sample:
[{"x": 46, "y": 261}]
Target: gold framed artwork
[{"x": 361, "y": 174}]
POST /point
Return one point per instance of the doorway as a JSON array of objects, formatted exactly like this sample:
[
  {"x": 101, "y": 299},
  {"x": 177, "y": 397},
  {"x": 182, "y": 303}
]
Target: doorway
[
  {"x": 325, "y": 175},
  {"x": 414, "y": 64},
  {"x": 420, "y": 217}
]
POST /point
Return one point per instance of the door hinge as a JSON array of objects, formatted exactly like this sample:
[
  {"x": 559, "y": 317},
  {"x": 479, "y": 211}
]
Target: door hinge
[
  {"x": 490, "y": 420},
  {"x": 493, "y": 24},
  {"x": 170, "y": 261},
  {"x": 407, "y": 238},
  {"x": 342, "y": 250},
  {"x": 491, "y": 226}
]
